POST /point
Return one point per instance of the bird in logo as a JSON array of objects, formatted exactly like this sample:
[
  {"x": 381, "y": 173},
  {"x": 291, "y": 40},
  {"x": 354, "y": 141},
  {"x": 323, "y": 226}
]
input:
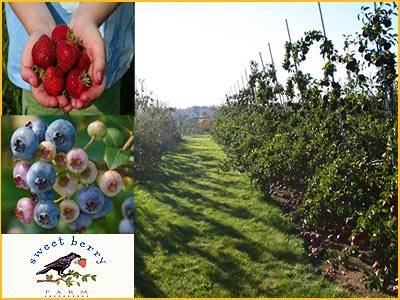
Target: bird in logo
[{"x": 60, "y": 264}]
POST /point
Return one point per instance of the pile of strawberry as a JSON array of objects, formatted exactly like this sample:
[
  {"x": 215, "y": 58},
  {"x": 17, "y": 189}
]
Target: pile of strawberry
[{"x": 61, "y": 63}]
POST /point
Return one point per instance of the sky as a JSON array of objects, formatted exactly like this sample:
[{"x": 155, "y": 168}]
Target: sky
[{"x": 194, "y": 53}]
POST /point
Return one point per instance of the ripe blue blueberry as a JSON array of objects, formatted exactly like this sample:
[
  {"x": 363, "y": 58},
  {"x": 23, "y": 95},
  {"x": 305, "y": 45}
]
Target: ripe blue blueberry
[
  {"x": 62, "y": 134},
  {"x": 105, "y": 210},
  {"x": 128, "y": 210},
  {"x": 90, "y": 199},
  {"x": 39, "y": 128},
  {"x": 41, "y": 177},
  {"x": 81, "y": 223},
  {"x": 46, "y": 214},
  {"x": 43, "y": 197},
  {"x": 126, "y": 226},
  {"x": 24, "y": 143}
]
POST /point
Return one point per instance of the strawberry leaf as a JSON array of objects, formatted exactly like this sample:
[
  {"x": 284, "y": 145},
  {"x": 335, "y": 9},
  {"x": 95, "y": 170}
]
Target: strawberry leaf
[
  {"x": 68, "y": 282},
  {"x": 116, "y": 157},
  {"x": 49, "y": 277}
]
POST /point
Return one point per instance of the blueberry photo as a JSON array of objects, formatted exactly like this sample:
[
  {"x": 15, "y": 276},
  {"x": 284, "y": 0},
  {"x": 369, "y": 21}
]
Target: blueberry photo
[{"x": 67, "y": 175}]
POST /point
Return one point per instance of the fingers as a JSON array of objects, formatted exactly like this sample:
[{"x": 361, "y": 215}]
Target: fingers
[
  {"x": 43, "y": 98},
  {"x": 98, "y": 64}
]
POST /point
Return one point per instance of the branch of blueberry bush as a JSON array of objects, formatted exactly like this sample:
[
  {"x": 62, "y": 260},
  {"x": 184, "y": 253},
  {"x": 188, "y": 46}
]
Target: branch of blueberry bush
[{"x": 48, "y": 164}]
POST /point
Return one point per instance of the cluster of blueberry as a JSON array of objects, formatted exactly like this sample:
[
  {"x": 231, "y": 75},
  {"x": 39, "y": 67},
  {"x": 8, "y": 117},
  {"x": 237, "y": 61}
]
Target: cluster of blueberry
[
  {"x": 47, "y": 163},
  {"x": 128, "y": 211}
]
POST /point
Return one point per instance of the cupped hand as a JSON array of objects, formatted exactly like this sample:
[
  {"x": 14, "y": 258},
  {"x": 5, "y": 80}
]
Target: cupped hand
[
  {"x": 92, "y": 41},
  {"x": 28, "y": 74}
]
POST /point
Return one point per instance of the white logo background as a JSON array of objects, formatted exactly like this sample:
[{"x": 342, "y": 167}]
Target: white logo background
[{"x": 114, "y": 254}]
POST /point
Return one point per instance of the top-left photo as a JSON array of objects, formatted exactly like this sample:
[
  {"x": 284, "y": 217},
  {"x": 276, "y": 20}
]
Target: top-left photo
[{"x": 68, "y": 58}]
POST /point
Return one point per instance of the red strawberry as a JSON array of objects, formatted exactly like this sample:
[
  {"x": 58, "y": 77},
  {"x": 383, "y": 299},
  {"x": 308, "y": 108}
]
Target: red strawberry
[
  {"x": 67, "y": 55},
  {"x": 83, "y": 62},
  {"x": 82, "y": 262},
  {"x": 44, "y": 52},
  {"x": 61, "y": 32},
  {"x": 54, "y": 81},
  {"x": 77, "y": 82}
]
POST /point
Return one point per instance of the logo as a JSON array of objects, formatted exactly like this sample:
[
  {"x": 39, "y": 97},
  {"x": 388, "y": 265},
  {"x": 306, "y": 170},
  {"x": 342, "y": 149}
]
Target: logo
[
  {"x": 68, "y": 266},
  {"x": 66, "y": 276},
  {"x": 72, "y": 276}
]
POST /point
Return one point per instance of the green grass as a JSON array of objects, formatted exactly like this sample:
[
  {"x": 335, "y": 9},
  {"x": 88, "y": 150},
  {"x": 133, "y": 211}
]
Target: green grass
[{"x": 200, "y": 232}]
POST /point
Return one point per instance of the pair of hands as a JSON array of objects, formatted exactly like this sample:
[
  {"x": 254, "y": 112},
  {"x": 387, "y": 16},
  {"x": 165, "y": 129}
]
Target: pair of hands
[{"x": 93, "y": 43}]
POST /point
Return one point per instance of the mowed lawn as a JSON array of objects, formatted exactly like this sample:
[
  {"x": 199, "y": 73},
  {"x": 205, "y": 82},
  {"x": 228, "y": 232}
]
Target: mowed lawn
[{"x": 202, "y": 232}]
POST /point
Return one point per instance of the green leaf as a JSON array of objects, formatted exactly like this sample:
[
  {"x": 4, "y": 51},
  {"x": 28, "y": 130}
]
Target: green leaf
[
  {"x": 93, "y": 277},
  {"x": 78, "y": 283},
  {"x": 58, "y": 282},
  {"x": 76, "y": 275},
  {"x": 125, "y": 121},
  {"x": 116, "y": 157},
  {"x": 68, "y": 282},
  {"x": 114, "y": 137},
  {"x": 49, "y": 277},
  {"x": 84, "y": 278}
]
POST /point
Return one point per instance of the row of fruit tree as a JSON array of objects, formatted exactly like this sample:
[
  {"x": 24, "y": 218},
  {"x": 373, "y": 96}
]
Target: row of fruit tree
[{"x": 333, "y": 144}]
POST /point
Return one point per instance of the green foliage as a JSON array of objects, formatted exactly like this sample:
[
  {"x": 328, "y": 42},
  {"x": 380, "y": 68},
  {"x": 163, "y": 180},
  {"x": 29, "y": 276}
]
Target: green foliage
[
  {"x": 155, "y": 134},
  {"x": 340, "y": 138},
  {"x": 11, "y": 94}
]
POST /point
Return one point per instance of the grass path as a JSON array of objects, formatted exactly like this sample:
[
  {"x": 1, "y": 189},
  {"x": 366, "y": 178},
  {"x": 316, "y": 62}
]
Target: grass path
[{"x": 201, "y": 232}]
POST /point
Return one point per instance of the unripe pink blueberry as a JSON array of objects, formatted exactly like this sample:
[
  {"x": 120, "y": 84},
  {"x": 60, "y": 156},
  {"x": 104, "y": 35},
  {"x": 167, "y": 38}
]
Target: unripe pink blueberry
[
  {"x": 90, "y": 174},
  {"x": 47, "y": 151},
  {"x": 69, "y": 210},
  {"x": 97, "y": 129},
  {"x": 25, "y": 209},
  {"x": 66, "y": 184},
  {"x": 19, "y": 173},
  {"x": 77, "y": 160},
  {"x": 110, "y": 183},
  {"x": 60, "y": 159}
]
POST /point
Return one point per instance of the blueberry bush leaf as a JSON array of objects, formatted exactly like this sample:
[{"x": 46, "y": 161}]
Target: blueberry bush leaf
[{"x": 116, "y": 157}]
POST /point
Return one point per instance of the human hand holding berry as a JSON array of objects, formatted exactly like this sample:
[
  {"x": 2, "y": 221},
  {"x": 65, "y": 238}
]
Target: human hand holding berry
[
  {"x": 93, "y": 44},
  {"x": 27, "y": 69}
]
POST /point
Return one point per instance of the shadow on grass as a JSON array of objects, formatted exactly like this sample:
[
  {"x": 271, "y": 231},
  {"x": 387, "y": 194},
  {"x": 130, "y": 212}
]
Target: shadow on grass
[{"x": 178, "y": 178}]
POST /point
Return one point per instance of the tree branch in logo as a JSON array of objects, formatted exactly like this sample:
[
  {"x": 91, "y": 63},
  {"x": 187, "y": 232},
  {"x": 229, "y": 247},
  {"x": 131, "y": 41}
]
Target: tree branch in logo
[{"x": 72, "y": 276}]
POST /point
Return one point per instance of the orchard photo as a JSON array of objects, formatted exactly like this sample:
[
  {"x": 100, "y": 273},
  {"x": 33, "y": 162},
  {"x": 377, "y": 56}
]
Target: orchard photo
[{"x": 285, "y": 187}]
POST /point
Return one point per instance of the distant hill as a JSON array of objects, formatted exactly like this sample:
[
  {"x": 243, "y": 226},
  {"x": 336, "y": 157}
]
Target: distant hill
[
  {"x": 195, "y": 119},
  {"x": 196, "y": 112}
]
